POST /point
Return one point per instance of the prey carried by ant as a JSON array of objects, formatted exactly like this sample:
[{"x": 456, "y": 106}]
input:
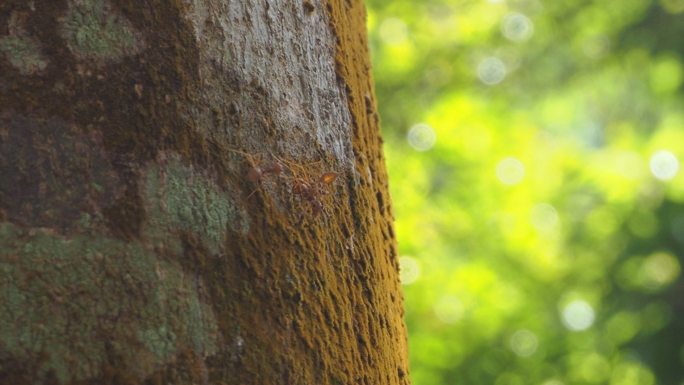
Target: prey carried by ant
[{"x": 312, "y": 192}]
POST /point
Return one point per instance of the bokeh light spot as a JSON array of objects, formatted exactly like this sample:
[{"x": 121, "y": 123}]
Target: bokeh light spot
[
  {"x": 664, "y": 165},
  {"x": 393, "y": 31},
  {"x": 630, "y": 165},
  {"x": 544, "y": 217},
  {"x": 673, "y": 6},
  {"x": 632, "y": 373},
  {"x": 578, "y": 315},
  {"x": 508, "y": 378},
  {"x": 622, "y": 327},
  {"x": 409, "y": 270},
  {"x": 643, "y": 224},
  {"x": 666, "y": 75},
  {"x": 510, "y": 171},
  {"x": 524, "y": 343},
  {"x": 421, "y": 137},
  {"x": 491, "y": 71},
  {"x": 655, "y": 316},
  {"x": 449, "y": 309},
  {"x": 660, "y": 269},
  {"x": 596, "y": 47},
  {"x": 590, "y": 367},
  {"x": 517, "y": 27}
]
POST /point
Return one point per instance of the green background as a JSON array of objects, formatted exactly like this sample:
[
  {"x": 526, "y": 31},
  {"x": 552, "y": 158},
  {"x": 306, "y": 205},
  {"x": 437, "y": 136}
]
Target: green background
[{"x": 533, "y": 149}]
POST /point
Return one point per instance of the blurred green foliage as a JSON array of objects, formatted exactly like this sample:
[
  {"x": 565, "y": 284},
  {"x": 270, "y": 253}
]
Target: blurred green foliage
[{"x": 533, "y": 148}]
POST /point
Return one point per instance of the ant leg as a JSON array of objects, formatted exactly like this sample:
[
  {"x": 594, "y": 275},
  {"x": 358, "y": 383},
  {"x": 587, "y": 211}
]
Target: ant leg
[{"x": 252, "y": 193}]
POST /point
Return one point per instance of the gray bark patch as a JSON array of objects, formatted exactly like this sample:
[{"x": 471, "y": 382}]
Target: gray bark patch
[{"x": 268, "y": 76}]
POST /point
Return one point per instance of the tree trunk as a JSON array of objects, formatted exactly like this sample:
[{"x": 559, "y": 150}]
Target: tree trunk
[{"x": 193, "y": 192}]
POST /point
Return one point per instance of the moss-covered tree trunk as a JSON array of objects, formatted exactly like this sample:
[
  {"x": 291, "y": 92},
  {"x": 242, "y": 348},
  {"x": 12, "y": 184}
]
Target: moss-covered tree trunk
[{"x": 193, "y": 192}]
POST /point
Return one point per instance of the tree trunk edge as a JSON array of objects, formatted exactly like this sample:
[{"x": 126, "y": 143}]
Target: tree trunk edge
[{"x": 353, "y": 67}]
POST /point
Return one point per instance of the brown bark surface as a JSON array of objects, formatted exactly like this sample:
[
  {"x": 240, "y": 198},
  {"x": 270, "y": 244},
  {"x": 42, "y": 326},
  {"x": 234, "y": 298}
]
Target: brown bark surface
[{"x": 193, "y": 192}]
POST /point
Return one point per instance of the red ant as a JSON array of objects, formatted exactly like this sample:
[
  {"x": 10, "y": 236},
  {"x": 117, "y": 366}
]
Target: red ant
[
  {"x": 311, "y": 192},
  {"x": 257, "y": 172}
]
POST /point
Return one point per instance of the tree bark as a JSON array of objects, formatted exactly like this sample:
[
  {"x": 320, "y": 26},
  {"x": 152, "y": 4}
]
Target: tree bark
[{"x": 193, "y": 192}]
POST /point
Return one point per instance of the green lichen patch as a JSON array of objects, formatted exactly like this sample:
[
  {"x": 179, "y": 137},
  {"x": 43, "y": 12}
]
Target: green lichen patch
[
  {"x": 24, "y": 54},
  {"x": 181, "y": 198},
  {"x": 94, "y": 31},
  {"x": 73, "y": 306}
]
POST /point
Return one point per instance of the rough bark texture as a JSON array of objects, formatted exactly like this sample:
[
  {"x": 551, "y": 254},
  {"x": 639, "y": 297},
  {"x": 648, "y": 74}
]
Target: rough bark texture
[{"x": 166, "y": 209}]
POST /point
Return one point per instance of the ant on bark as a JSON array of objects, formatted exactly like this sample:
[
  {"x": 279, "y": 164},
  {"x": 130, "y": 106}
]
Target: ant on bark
[
  {"x": 258, "y": 170},
  {"x": 307, "y": 187},
  {"x": 303, "y": 183},
  {"x": 312, "y": 192}
]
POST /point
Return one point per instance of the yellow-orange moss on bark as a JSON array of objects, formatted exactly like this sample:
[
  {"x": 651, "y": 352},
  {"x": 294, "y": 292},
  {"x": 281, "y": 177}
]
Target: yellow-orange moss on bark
[{"x": 352, "y": 60}]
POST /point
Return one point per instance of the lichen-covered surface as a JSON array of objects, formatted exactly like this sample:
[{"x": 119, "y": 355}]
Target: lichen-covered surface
[{"x": 193, "y": 192}]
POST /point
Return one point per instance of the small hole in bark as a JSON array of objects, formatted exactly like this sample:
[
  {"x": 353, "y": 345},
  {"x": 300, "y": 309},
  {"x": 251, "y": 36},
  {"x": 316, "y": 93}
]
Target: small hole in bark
[{"x": 308, "y": 7}]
